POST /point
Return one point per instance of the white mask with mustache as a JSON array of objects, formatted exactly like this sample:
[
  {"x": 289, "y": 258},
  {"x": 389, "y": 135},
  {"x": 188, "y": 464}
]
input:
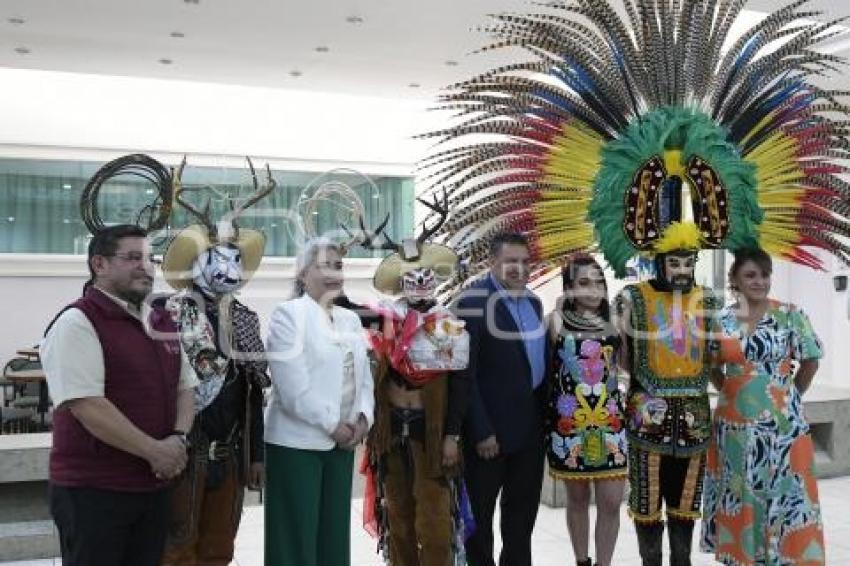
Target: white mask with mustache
[{"x": 218, "y": 270}]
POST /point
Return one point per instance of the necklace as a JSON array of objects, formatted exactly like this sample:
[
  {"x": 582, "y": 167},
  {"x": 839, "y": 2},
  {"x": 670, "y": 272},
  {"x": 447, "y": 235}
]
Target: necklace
[{"x": 593, "y": 323}]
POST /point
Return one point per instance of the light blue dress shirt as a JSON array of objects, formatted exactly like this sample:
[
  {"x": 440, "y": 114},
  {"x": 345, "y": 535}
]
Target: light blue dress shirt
[{"x": 530, "y": 327}]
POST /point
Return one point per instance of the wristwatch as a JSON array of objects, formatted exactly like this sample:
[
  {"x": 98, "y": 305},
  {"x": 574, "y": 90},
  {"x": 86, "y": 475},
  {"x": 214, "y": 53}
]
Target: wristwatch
[{"x": 183, "y": 437}]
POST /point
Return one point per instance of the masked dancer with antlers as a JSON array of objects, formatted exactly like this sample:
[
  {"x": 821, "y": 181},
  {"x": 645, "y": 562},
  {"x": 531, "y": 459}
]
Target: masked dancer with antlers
[
  {"x": 414, "y": 447},
  {"x": 634, "y": 132},
  {"x": 207, "y": 263}
]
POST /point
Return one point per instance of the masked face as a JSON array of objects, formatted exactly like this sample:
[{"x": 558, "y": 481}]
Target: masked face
[
  {"x": 419, "y": 285},
  {"x": 218, "y": 271},
  {"x": 679, "y": 270}
]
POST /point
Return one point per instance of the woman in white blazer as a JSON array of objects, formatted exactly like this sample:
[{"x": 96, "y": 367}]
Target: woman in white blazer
[{"x": 321, "y": 407}]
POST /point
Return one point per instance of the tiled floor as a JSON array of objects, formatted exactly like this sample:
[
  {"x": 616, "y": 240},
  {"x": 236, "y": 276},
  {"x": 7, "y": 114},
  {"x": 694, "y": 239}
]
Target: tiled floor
[{"x": 550, "y": 543}]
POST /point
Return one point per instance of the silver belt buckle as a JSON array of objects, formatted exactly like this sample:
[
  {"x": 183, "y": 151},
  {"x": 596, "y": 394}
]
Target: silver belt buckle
[{"x": 211, "y": 451}]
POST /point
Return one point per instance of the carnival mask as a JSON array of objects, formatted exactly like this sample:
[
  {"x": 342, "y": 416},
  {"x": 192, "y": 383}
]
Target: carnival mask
[
  {"x": 676, "y": 270},
  {"x": 418, "y": 285},
  {"x": 218, "y": 270}
]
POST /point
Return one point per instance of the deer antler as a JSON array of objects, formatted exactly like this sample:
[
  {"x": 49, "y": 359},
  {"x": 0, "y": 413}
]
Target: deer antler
[
  {"x": 177, "y": 178},
  {"x": 259, "y": 193},
  {"x": 205, "y": 215},
  {"x": 367, "y": 239},
  {"x": 441, "y": 209}
]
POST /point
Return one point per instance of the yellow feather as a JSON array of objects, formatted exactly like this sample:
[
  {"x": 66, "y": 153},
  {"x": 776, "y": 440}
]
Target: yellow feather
[
  {"x": 679, "y": 236},
  {"x": 778, "y": 175},
  {"x": 758, "y": 127}
]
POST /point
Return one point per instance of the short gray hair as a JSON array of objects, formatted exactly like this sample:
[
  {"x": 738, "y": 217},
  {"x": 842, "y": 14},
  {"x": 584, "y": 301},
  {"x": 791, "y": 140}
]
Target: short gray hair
[{"x": 307, "y": 257}]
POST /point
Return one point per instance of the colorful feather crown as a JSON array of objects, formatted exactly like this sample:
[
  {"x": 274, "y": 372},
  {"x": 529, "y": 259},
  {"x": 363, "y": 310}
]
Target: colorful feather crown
[{"x": 619, "y": 131}]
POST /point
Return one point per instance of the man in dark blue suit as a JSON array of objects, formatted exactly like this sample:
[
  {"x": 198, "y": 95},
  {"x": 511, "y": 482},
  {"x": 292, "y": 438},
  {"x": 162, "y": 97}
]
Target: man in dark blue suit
[{"x": 503, "y": 434}]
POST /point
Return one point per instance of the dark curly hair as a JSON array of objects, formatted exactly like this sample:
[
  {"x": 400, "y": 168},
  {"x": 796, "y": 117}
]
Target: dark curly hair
[{"x": 756, "y": 255}]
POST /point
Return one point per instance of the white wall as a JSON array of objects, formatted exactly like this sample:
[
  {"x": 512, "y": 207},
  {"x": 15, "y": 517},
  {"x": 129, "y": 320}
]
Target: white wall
[
  {"x": 44, "y": 110},
  {"x": 828, "y": 310}
]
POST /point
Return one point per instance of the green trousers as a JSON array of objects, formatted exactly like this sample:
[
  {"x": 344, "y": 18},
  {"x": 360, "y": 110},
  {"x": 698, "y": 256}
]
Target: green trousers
[{"x": 308, "y": 506}]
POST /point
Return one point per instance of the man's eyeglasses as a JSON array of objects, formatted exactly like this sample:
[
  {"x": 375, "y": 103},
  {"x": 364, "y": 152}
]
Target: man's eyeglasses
[{"x": 138, "y": 257}]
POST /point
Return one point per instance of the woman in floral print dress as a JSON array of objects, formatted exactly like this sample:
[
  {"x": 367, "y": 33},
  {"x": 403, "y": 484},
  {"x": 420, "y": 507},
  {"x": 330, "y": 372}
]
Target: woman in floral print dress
[
  {"x": 760, "y": 500},
  {"x": 587, "y": 443}
]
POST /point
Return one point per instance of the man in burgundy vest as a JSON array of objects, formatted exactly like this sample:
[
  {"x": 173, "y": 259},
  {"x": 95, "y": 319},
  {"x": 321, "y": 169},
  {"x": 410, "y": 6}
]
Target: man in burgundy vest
[{"x": 123, "y": 394}]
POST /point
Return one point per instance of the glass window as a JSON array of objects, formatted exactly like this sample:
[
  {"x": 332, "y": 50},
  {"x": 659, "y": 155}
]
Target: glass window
[{"x": 40, "y": 203}]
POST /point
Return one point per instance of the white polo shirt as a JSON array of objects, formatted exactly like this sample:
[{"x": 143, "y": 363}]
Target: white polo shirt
[{"x": 72, "y": 357}]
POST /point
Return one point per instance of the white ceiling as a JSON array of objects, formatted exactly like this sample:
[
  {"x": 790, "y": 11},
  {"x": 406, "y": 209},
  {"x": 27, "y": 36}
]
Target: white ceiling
[{"x": 261, "y": 42}]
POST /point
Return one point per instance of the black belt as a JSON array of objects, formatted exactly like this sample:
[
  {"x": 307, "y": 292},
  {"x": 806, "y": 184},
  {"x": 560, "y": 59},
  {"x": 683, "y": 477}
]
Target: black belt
[
  {"x": 218, "y": 450},
  {"x": 407, "y": 423}
]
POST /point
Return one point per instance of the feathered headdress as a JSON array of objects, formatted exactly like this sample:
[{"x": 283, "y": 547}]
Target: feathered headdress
[{"x": 641, "y": 135}]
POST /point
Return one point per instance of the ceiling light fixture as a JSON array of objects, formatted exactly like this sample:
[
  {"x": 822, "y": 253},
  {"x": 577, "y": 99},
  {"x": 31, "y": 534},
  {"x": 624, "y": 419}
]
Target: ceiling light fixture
[
  {"x": 66, "y": 186},
  {"x": 177, "y": 34},
  {"x": 354, "y": 20},
  {"x": 166, "y": 61},
  {"x": 16, "y": 21},
  {"x": 296, "y": 73},
  {"x": 22, "y": 50},
  {"x": 322, "y": 49},
  {"x": 451, "y": 63},
  {"x": 192, "y": 1},
  {"x": 414, "y": 85}
]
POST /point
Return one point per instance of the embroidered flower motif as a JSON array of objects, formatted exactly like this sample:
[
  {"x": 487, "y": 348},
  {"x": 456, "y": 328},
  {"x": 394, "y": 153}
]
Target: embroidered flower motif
[
  {"x": 646, "y": 411},
  {"x": 593, "y": 366},
  {"x": 559, "y": 445},
  {"x": 565, "y": 425},
  {"x": 567, "y": 405},
  {"x": 569, "y": 362}
]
